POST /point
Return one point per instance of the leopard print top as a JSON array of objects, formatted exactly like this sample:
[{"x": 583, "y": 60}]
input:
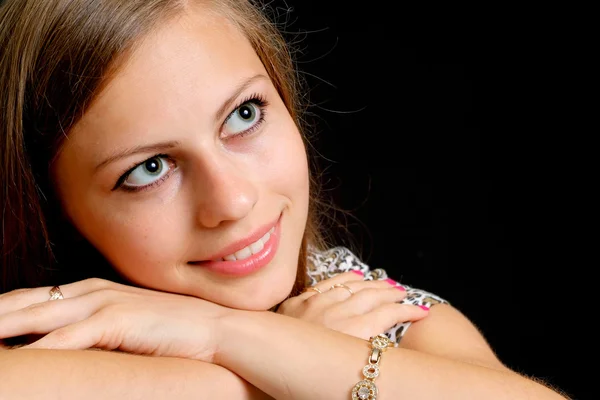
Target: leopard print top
[{"x": 326, "y": 264}]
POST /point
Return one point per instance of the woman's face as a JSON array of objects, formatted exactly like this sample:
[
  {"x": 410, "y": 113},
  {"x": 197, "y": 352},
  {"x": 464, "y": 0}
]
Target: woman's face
[{"x": 187, "y": 156}]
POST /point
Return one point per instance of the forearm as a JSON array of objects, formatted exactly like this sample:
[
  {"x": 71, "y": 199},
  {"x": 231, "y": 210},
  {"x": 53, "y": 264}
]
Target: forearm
[
  {"x": 62, "y": 374},
  {"x": 290, "y": 359}
]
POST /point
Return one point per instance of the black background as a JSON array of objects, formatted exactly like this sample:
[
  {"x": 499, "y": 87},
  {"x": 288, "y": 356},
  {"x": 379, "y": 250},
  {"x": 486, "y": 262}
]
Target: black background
[
  {"x": 455, "y": 182},
  {"x": 464, "y": 178}
]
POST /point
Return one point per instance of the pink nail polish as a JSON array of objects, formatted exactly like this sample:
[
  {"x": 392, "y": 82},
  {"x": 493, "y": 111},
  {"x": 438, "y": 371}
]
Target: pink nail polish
[
  {"x": 425, "y": 308},
  {"x": 358, "y": 272},
  {"x": 395, "y": 284}
]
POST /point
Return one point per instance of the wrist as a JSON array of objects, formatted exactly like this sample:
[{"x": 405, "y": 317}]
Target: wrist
[
  {"x": 271, "y": 351},
  {"x": 234, "y": 330}
]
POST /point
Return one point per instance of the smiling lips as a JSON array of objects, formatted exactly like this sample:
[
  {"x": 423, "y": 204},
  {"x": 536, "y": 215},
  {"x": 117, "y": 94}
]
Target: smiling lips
[
  {"x": 253, "y": 248},
  {"x": 250, "y": 258}
]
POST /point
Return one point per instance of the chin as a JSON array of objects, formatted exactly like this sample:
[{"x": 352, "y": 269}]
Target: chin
[
  {"x": 255, "y": 303},
  {"x": 262, "y": 293}
]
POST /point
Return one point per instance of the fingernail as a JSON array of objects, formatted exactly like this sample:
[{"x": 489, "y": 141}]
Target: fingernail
[
  {"x": 391, "y": 282},
  {"x": 358, "y": 272},
  {"x": 395, "y": 284},
  {"x": 425, "y": 308}
]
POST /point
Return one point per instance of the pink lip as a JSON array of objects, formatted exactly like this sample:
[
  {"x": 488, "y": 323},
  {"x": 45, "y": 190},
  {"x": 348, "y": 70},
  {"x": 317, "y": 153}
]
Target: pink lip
[{"x": 250, "y": 264}]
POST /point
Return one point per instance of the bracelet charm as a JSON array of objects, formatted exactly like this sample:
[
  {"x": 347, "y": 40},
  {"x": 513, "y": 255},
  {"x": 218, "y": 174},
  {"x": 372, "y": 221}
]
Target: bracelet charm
[{"x": 366, "y": 389}]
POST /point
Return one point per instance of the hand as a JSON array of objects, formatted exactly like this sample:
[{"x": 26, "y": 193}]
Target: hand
[
  {"x": 101, "y": 314},
  {"x": 371, "y": 310}
]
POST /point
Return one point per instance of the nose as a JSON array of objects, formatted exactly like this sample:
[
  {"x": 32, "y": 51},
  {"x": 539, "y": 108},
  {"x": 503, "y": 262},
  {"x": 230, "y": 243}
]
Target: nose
[{"x": 223, "y": 192}]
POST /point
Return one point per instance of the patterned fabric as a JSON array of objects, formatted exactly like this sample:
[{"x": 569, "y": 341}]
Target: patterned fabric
[{"x": 326, "y": 264}]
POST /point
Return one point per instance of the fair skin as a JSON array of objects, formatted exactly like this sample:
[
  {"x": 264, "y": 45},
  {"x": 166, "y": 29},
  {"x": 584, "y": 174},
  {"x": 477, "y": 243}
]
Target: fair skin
[
  {"x": 203, "y": 327},
  {"x": 219, "y": 187}
]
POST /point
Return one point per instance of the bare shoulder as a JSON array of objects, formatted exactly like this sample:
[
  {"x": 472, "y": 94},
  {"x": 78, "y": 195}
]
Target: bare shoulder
[{"x": 449, "y": 333}]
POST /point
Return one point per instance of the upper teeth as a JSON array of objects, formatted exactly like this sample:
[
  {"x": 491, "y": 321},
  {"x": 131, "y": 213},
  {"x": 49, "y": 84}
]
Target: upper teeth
[{"x": 251, "y": 249}]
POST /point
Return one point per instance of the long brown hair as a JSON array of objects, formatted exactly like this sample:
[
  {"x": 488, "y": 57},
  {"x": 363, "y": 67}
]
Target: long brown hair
[{"x": 56, "y": 57}]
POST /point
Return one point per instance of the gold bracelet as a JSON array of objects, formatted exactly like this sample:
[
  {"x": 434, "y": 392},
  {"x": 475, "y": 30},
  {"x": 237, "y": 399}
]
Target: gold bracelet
[{"x": 366, "y": 389}]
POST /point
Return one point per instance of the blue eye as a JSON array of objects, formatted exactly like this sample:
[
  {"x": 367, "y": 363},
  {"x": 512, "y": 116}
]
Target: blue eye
[
  {"x": 148, "y": 173},
  {"x": 245, "y": 118}
]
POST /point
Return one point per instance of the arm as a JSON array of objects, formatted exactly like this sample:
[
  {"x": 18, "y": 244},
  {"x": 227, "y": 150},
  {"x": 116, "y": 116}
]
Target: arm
[
  {"x": 282, "y": 356},
  {"x": 291, "y": 359},
  {"x": 73, "y": 374}
]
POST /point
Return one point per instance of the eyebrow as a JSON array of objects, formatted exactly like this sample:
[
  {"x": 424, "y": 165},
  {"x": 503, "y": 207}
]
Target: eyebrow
[
  {"x": 171, "y": 144},
  {"x": 243, "y": 86},
  {"x": 157, "y": 147}
]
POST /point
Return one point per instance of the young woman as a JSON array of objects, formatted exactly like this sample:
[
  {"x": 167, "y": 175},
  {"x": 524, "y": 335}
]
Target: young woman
[{"x": 154, "y": 165}]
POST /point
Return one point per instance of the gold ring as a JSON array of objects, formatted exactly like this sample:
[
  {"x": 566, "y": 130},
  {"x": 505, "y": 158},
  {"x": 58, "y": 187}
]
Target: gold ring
[
  {"x": 314, "y": 289},
  {"x": 341, "y": 285},
  {"x": 56, "y": 294}
]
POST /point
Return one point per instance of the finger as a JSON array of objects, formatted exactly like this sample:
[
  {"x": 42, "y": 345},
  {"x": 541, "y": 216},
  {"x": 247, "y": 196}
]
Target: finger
[
  {"x": 386, "y": 316},
  {"x": 41, "y": 318},
  {"x": 329, "y": 296},
  {"x": 367, "y": 300},
  {"x": 324, "y": 285},
  {"x": 23, "y": 298},
  {"x": 82, "y": 335},
  {"x": 350, "y": 276},
  {"x": 350, "y": 288}
]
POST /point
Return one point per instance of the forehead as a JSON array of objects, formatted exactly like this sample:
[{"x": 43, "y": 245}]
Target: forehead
[{"x": 184, "y": 68}]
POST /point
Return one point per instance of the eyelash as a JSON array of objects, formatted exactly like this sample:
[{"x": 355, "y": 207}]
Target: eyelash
[
  {"x": 258, "y": 99},
  {"x": 125, "y": 175},
  {"x": 261, "y": 102}
]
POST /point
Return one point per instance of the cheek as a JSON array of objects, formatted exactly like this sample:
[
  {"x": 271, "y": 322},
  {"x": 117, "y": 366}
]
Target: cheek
[
  {"x": 142, "y": 239},
  {"x": 287, "y": 167},
  {"x": 119, "y": 231}
]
